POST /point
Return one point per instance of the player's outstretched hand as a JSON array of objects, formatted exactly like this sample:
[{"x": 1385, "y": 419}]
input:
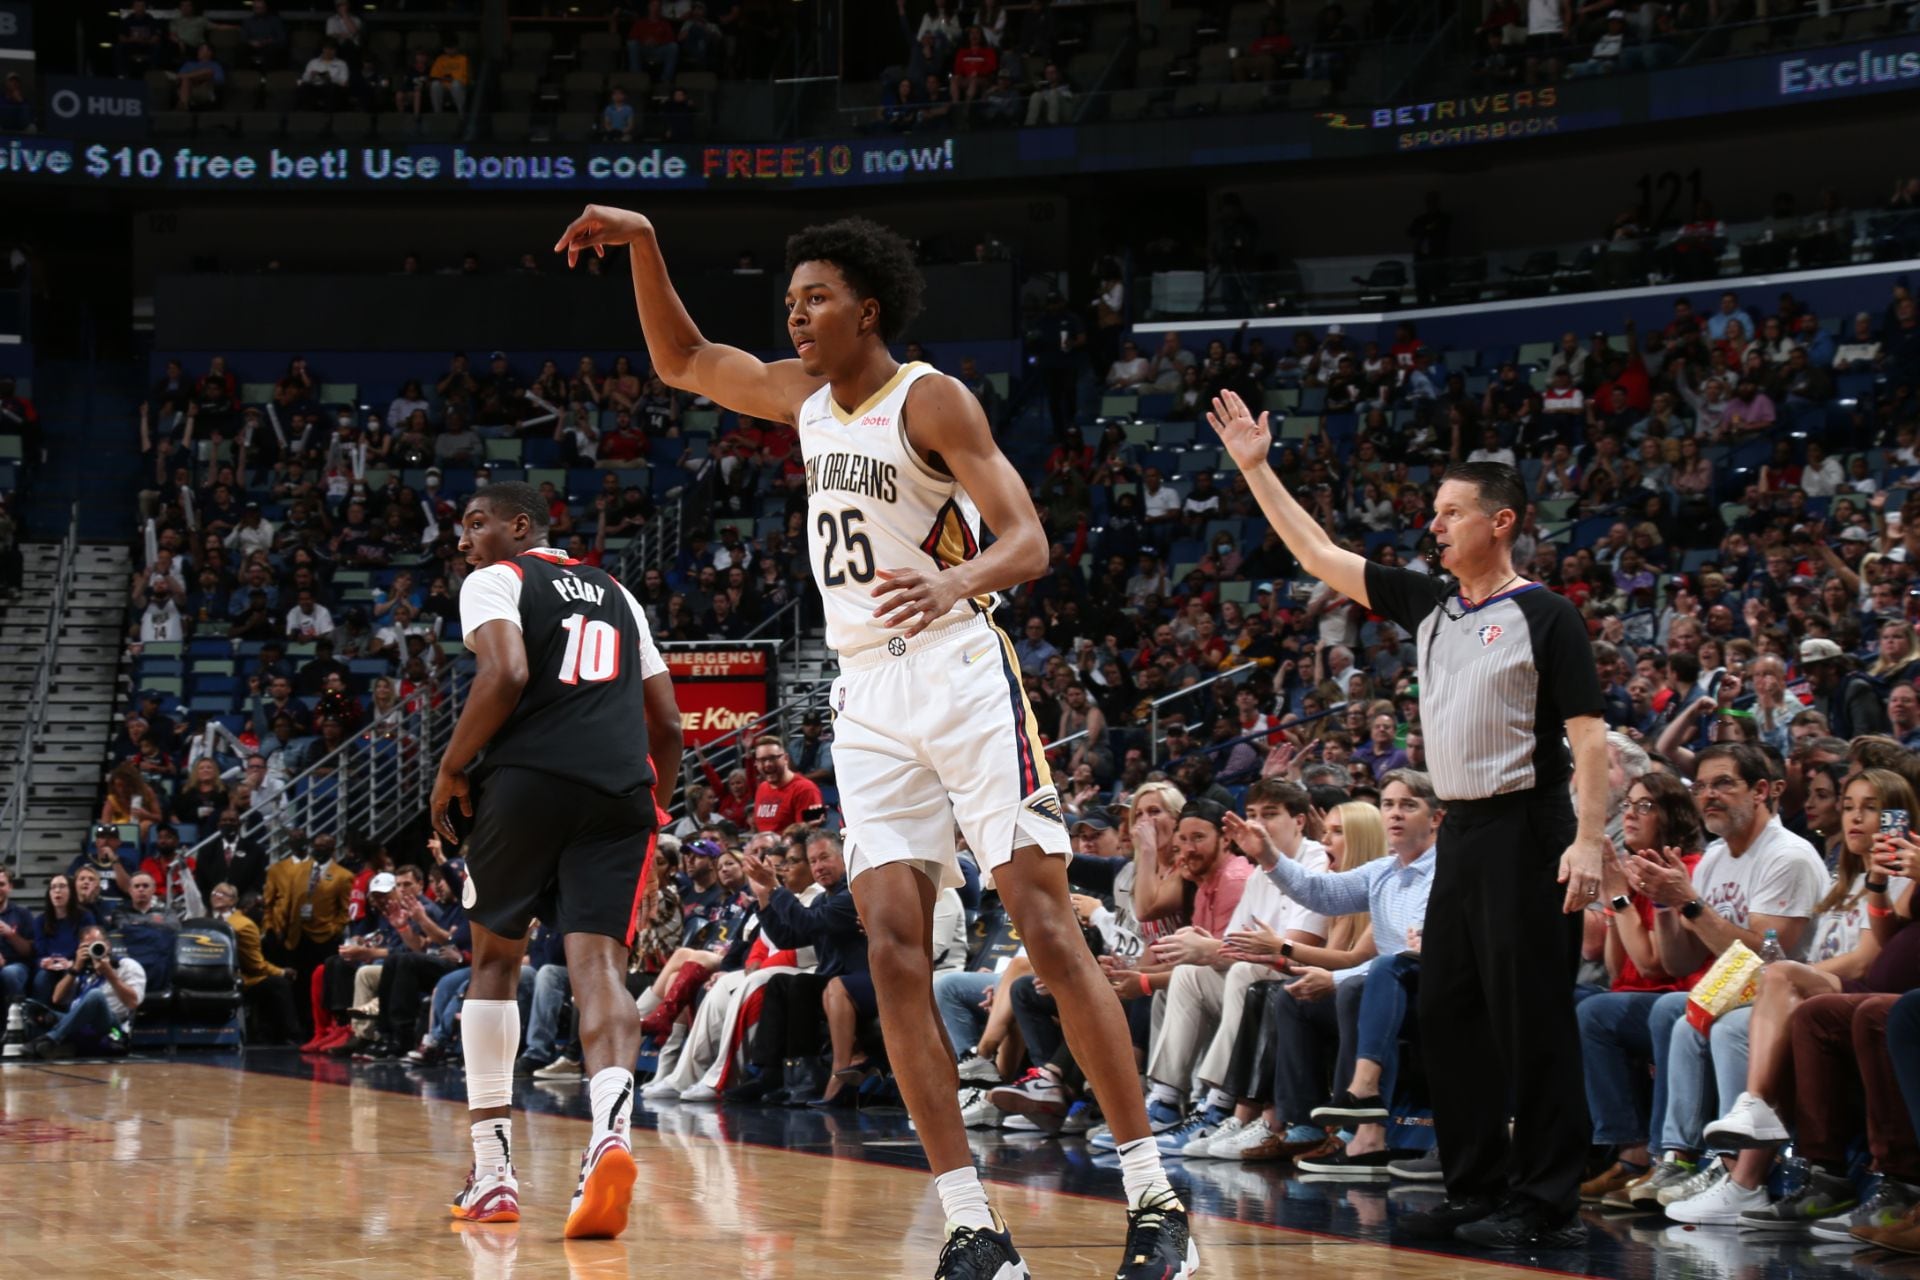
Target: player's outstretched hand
[
  {"x": 449, "y": 785},
  {"x": 598, "y": 227},
  {"x": 1247, "y": 439},
  {"x": 914, "y": 600}
]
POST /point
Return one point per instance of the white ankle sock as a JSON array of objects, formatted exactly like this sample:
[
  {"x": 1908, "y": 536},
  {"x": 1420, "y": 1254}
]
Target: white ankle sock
[
  {"x": 1166, "y": 1093},
  {"x": 493, "y": 1145},
  {"x": 1140, "y": 1172},
  {"x": 611, "y": 1090},
  {"x": 964, "y": 1200},
  {"x": 648, "y": 1002}
]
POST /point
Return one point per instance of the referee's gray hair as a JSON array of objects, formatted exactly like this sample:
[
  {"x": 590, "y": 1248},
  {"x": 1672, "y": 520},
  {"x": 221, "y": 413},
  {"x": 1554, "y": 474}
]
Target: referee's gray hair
[
  {"x": 1634, "y": 760},
  {"x": 1414, "y": 780}
]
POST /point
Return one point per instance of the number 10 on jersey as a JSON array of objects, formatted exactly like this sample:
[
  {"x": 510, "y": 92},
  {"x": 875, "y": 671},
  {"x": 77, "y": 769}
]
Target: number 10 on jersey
[{"x": 593, "y": 650}]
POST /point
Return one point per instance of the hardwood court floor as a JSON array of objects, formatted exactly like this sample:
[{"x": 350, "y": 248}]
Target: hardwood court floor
[{"x": 292, "y": 1168}]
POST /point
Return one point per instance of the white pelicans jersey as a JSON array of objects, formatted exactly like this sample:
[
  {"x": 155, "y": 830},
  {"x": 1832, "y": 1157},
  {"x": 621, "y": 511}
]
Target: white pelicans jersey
[{"x": 872, "y": 504}]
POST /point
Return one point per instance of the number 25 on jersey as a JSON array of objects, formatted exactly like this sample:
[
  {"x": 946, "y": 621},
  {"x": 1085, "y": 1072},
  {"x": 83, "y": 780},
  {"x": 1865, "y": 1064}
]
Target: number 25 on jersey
[
  {"x": 593, "y": 650},
  {"x": 835, "y": 533}
]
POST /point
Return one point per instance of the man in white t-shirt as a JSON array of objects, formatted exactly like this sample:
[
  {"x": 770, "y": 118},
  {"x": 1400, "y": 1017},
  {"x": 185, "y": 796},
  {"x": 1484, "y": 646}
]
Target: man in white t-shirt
[
  {"x": 1756, "y": 877},
  {"x": 1548, "y": 25},
  {"x": 1491, "y": 450},
  {"x": 308, "y": 619},
  {"x": 1207, "y": 992},
  {"x": 1159, "y": 501}
]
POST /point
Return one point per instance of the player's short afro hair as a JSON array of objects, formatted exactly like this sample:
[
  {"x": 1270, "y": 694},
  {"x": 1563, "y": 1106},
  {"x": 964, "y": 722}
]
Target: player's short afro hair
[
  {"x": 877, "y": 263},
  {"x": 510, "y": 498}
]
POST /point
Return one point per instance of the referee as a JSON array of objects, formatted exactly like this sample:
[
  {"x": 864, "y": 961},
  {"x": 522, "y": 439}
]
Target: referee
[{"x": 1507, "y": 680}]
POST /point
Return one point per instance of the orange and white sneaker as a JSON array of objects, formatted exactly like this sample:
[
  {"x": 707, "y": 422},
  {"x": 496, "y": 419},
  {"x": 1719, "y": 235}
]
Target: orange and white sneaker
[
  {"x": 490, "y": 1197},
  {"x": 605, "y": 1193}
]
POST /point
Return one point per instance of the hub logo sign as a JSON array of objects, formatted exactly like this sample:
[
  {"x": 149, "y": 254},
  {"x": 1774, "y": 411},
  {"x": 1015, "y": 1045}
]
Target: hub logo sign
[{"x": 92, "y": 107}]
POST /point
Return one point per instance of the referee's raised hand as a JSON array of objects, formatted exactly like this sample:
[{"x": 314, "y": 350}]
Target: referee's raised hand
[{"x": 1246, "y": 439}]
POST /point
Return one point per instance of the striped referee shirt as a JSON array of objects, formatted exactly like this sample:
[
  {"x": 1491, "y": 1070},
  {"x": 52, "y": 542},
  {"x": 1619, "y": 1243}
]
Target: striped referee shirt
[{"x": 1498, "y": 681}]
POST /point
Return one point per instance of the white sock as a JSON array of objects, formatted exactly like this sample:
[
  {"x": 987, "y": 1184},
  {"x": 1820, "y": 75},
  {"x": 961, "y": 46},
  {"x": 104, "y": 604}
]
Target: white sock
[
  {"x": 964, "y": 1200},
  {"x": 493, "y": 1146},
  {"x": 1219, "y": 1100},
  {"x": 1157, "y": 1092},
  {"x": 1140, "y": 1172},
  {"x": 647, "y": 1001},
  {"x": 489, "y": 1034},
  {"x": 611, "y": 1090}
]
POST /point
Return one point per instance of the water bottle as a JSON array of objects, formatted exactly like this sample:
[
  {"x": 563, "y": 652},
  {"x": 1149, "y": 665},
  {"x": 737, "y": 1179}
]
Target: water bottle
[{"x": 1770, "y": 948}]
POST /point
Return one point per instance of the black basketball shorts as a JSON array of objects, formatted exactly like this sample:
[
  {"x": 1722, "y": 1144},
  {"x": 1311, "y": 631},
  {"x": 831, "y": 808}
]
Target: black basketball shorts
[{"x": 546, "y": 848}]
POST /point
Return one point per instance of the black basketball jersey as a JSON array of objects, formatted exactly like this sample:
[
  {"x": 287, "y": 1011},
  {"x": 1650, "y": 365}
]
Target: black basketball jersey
[{"x": 583, "y": 713}]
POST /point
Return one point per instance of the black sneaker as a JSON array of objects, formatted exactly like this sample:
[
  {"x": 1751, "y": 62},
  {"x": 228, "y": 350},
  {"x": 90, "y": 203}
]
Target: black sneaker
[
  {"x": 1368, "y": 1110},
  {"x": 1522, "y": 1225},
  {"x": 754, "y": 1089},
  {"x": 526, "y": 1065},
  {"x": 1370, "y": 1166},
  {"x": 1159, "y": 1246},
  {"x": 1439, "y": 1223},
  {"x": 971, "y": 1254},
  {"x": 47, "y": 1049}
]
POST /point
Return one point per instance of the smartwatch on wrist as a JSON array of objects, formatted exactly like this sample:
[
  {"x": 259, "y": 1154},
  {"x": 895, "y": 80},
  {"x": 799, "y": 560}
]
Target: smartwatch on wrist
[
  {"x": 1620, "y": 902},
  {"x": 1286, "y": 948},
  {"x": 1692, "y": 910}
]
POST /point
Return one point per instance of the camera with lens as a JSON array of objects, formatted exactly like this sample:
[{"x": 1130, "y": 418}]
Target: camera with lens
[{"x": 94, "y": 952}]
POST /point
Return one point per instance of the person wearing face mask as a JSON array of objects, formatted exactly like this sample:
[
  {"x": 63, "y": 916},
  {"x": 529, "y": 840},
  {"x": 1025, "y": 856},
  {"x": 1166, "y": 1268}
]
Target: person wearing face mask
[{"x": 233, "y": 857}]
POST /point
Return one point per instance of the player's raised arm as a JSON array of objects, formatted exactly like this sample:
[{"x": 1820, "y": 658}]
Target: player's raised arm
[
  {"x": 1248, "y": 441},
  {"x": 944, "y": 420},
  {"x": 683, "y": 358}
]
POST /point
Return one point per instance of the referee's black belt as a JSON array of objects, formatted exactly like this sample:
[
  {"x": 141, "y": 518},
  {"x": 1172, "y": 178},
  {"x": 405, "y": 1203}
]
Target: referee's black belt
[{"x": 1506, "y": 801}]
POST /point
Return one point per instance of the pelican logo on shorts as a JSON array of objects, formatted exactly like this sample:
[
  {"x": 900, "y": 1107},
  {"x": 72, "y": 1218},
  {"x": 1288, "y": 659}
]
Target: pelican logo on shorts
[
  {"x": 897, "y": 646},
  {"x": 1491, "y": 632},
  {"x": 1047, "y": 805}
]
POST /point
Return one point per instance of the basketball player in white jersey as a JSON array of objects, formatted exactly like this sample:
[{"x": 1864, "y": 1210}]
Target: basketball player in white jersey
[{"x": 931, "y": 725}]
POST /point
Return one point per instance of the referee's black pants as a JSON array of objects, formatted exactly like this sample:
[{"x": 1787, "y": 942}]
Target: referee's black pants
[{"x": 1496, "y": 1002}]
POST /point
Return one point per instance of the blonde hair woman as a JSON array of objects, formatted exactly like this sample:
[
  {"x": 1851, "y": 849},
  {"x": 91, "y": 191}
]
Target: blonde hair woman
[{"x": 1159, "y": 894}]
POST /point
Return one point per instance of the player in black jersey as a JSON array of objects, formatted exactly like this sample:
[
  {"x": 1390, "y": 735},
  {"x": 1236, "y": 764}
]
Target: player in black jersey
[{"x": 550, "y": 760}]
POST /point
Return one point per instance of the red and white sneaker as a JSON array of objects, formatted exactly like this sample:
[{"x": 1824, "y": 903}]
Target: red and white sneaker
[
  {"x": 1033, "y": 1094},
  {"x": 605, "y": 1194},
  {"x": 490, "y": 1197}
]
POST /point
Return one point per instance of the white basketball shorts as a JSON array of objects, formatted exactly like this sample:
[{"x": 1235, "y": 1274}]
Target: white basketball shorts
[{"x": 935, "y": 731}]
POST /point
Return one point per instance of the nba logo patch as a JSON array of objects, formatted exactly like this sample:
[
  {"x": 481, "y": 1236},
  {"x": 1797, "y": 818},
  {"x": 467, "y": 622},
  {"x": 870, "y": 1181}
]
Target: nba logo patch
[
  {"x": 897, "y": 646},
  {"x": 1491, "y": 632}
]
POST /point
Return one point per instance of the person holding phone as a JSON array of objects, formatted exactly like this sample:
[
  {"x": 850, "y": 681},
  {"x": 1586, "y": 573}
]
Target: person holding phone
[{"x": 1848, "y": 957}]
